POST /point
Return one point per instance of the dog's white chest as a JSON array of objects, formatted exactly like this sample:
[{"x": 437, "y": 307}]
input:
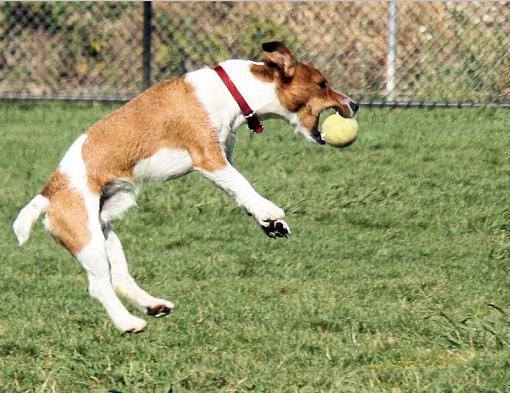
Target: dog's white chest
[{"x": 163, "y": 165}]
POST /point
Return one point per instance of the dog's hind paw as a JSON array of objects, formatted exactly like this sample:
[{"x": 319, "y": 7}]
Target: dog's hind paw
[
  {"x": 160, "y": 310},
  {"x": 277, "y": 228},
  {"x": 131, "y": 324}
]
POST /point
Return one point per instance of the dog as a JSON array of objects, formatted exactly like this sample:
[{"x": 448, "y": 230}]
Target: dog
[{"x": 177, "y": 126}]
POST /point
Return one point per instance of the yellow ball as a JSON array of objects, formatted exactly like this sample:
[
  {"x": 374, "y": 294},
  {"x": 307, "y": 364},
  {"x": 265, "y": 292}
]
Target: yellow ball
[{"x": 339, "y": 131}]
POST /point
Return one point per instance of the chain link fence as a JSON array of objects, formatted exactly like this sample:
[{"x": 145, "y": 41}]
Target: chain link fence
[{"x": 440, "y": 53}]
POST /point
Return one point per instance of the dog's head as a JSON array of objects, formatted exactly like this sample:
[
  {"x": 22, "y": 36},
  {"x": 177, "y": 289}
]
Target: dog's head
[{"x": 302, "y": 90}]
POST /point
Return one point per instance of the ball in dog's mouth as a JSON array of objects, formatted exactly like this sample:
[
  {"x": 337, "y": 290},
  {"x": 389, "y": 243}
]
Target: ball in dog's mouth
[
  {"x": 338, "y": 131},
  {"x": 335, "y": 130}
]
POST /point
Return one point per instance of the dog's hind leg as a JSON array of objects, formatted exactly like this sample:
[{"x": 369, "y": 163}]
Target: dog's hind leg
[
  {"x": 73, "y": 219},
  {"x": 95, "y": 261},
  {"x": 125, "y": 284}
]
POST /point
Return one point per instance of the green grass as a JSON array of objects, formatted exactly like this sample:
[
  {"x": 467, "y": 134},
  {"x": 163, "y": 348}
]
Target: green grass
[{"x": 395, "y": 278}]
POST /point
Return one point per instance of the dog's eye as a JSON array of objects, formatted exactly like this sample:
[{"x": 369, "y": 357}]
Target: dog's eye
[{"x": 323, "y": 84}]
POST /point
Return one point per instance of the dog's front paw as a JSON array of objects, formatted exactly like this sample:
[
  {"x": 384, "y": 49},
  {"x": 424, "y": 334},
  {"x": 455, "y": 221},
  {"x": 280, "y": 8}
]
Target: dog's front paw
[
  {"x": 277, "y": 228},
  {"x": 269, "y": 217},
  {"x": 265, "y": 211}
]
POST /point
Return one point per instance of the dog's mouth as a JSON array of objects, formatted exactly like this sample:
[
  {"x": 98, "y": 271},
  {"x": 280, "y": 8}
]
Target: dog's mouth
[{"x": 317, "y": 136}]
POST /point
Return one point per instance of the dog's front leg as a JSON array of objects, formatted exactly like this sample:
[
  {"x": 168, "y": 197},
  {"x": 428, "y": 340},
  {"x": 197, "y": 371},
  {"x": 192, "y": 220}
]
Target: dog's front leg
[{"x": 266, "y": 213}]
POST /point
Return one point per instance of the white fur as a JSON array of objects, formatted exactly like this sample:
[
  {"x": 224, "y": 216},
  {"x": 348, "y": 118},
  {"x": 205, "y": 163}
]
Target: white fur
[
  {"x": 230, "y": 180},
  {"x": 73, "y": 166},
  {"x": 28, "y": 215},
  {"x": 163, "y": 165}
]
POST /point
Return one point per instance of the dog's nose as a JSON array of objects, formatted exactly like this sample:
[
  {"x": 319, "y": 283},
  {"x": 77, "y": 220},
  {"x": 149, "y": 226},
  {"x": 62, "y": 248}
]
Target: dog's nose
[{"x": 354, "y": 106}]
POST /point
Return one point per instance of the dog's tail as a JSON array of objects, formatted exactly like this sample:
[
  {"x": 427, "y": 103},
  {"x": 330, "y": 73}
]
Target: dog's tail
[{"x": 28, "y": 215}]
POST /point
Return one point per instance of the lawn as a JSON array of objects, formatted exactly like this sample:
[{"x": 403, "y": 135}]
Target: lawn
[{"x": 395, "y": 279}]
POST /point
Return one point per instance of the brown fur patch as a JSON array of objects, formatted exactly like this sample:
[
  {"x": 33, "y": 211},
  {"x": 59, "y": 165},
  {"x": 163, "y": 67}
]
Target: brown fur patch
[
  {"x": 262, "y": 72},
  {"x": 67, "y": 215},
  {"x": 57, "y": 182},
  {"x": 168, "y": 115}
]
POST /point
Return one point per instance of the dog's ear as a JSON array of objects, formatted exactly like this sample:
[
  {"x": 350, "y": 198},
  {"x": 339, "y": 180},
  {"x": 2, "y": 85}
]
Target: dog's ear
[{"x": 276, "y": 54}]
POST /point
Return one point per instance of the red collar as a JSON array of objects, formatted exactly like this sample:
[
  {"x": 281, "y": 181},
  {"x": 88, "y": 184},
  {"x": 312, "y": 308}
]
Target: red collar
[{"x": 250, "y": 116}]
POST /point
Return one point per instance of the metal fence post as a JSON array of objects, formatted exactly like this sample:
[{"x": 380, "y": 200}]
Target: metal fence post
[
  {"x": 147, "y": 30},
  {"x": 392, "y": 50}
]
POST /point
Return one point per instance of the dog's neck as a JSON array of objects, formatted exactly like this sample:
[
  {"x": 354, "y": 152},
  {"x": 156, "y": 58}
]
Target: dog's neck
[
  {"x": 260, "y": 94},
  {"x": 222, "y": 108}
]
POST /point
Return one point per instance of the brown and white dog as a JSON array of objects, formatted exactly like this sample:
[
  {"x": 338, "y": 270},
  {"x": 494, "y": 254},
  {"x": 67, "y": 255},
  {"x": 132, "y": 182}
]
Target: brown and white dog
[{"x": 183, "y": 124}]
